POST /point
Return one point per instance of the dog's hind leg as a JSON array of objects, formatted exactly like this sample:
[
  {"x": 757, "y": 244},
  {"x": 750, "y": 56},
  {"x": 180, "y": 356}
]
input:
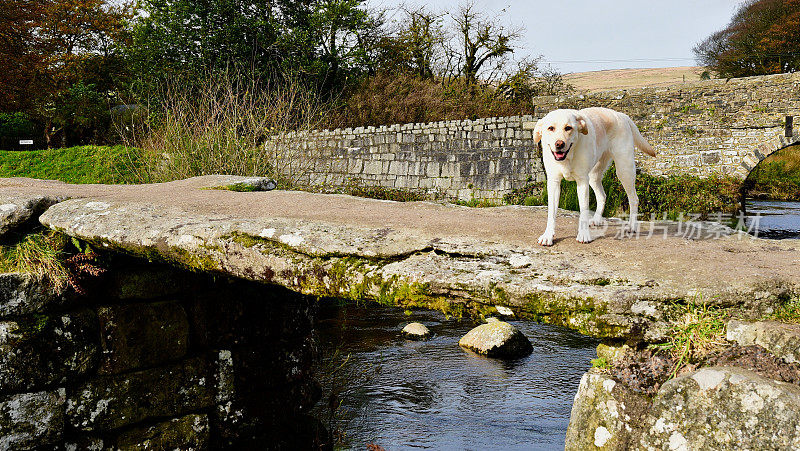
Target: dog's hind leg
[
  {"x": 626, "y": 172},
  {"x": 596, "y": 182}
]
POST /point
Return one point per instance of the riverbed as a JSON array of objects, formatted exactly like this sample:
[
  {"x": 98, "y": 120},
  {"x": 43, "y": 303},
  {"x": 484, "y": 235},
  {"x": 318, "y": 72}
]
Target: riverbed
[{"x": 403, "y": 394}]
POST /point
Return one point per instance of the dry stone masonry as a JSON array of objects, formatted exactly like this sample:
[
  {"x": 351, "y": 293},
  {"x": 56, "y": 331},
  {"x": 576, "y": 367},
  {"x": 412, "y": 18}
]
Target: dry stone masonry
[
  {"x": 156, "y": 358},
  {"x": 701, "y": 128}
]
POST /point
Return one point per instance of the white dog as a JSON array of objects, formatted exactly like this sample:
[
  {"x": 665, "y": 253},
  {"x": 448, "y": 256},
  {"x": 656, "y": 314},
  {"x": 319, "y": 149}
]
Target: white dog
[{"x": 580, "y": 145}]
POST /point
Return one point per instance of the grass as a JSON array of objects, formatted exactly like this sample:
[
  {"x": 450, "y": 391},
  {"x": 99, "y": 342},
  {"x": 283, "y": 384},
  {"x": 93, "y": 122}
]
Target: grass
[
  {"x": 83, "y": 164},
  {"x": 672, "y": 195},
  {"x": 39, "y": 254},
  {"x": 788, "y": 312},
  {"x": 699, "y": 329},
  {"x": 777, "y": 177}
]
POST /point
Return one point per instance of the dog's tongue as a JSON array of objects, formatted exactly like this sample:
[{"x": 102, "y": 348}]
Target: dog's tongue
[{"x": 560, "y": 155}]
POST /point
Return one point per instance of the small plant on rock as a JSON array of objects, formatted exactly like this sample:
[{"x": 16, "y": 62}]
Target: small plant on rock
[{"x": 699, "y": 329}]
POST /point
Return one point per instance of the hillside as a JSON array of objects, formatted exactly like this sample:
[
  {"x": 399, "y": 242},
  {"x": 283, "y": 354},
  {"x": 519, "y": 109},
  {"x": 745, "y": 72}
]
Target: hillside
[{"x": 604, "y": 80}]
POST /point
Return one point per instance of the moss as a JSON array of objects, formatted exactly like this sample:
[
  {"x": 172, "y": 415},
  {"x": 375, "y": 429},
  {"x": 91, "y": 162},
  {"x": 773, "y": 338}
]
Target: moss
[
  {"x": 600, "y": 363},
  {"x": 238, "y": 187},
  {"x": 580, "y": 314}
]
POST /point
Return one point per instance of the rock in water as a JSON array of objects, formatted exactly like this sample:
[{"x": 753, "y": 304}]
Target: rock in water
[
  {"x": 497, "y": 339},
  {"x": 416, "y": 331}
]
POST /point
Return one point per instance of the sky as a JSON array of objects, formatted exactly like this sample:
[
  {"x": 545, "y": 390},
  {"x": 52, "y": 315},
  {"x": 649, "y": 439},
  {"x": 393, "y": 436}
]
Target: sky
[{"x": 587, "y": 35}]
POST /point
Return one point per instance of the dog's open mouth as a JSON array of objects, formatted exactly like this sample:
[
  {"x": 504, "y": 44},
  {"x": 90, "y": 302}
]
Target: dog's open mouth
[{"x": 559, "y": 155}]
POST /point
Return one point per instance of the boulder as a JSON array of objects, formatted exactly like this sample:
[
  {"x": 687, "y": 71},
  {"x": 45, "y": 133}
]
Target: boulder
[
  {"x": 781, "y": 339},
  {"x": 605, "y": 414},
  {"x": 416, "y": 331},
  {"x": 723, "y": 408},
  {"x": 497, "y": 339}
]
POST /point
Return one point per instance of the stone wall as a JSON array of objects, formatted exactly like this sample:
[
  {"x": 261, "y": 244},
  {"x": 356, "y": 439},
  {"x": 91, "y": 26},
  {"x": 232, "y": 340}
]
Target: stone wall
[
  {"x": 704, "y": 127},
  {"x": 154, "y": 358},
  {"x": 481, "y": 159}
]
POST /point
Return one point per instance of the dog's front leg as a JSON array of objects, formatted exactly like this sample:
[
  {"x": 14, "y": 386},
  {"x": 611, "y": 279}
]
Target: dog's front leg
[
  {"x": 584, "y": 235},
  {"x": 553, "y": 196}
]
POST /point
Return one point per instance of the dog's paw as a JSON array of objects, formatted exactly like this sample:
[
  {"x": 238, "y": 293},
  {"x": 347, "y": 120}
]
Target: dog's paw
[
  {"x": 584, "y": 236},
  {"x": 597, "y": 221},
  {"x": 631, "y": 228},
  {"x": 546, "y": 239}
]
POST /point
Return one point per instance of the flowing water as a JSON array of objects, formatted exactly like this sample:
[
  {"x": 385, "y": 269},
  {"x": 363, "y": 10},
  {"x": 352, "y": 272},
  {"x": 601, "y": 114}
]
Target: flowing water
[
  {"x": 403, "y": 394},
  {"x": 776, "y": 219}
]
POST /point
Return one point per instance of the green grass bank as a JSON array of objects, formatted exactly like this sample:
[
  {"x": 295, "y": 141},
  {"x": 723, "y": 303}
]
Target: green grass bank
[{"x": 82, "y": 164}]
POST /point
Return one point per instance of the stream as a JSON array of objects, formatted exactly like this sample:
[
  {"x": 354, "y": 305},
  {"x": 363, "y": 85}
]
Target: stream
[
  {"x": 776, "y": 219},
  {"x": 402, "y": 394}
]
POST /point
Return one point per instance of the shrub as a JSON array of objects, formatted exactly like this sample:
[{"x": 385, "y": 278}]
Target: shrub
[
  {"x": 227, "y": 124},
  {"x": 777, "y": 177},
  {"x": 401, "y": 98},
  {"x": 15, "y": 125},
  {"x": 672, "y": 195}
]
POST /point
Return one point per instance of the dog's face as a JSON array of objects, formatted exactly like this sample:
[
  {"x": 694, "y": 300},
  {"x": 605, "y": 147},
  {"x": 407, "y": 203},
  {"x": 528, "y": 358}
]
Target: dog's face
[{"x": 558, "y": 132}]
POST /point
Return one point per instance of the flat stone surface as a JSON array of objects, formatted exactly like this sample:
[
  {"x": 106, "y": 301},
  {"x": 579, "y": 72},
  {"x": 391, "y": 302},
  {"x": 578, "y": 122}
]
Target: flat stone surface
[
  {"x": 723, "y": 408},
  {"x": 16, "y": 210},
  {"x": 779, "y": 338},
  {"x": 297, "y": 239}
]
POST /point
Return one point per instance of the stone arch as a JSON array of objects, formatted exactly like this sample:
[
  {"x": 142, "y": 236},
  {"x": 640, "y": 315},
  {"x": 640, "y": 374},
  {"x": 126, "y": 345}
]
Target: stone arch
[{"x": 755, "y": 156}]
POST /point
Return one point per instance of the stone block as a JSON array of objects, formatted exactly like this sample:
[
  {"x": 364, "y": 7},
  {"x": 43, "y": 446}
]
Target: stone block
[
  {"x": 43, "y": 350},
  {"x": 141, "y": 335},
  {"x": 21, "y": 294},
  {"x": 112, "y": 402},
  {"x": 32, "y": 420},
  {"x": 147, "y": 282},
  {"x": 781, "y": 339},
  {"x": 191, "y": 432}
]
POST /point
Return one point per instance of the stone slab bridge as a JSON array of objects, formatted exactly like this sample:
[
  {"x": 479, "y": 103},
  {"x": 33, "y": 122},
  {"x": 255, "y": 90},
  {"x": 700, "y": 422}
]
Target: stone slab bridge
[
  {"x": 700, "y": 128},
  {"x": 420, "y": 253},
  {"x": 221, "y": 356}
]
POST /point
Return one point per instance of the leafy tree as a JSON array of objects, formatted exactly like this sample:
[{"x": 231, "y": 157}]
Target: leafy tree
[
  {"x": 20, "y": 52},
  {"x": 763, "y": 37},
  {"x": 322, "y": 40},
  {"x": 53, "y": 46}
]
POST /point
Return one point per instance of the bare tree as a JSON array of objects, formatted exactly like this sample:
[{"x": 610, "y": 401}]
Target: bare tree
[{"x": 484, "y": 41}]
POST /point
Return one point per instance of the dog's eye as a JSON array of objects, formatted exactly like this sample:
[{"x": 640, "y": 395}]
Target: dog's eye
[
  {"x": 567, "y": 128},
  {"x": 551, "y": 128}
]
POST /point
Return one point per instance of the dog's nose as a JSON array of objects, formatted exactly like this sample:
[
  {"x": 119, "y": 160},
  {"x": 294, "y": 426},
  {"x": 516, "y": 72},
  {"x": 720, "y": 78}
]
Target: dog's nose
[{"x": 560, "y": 144}]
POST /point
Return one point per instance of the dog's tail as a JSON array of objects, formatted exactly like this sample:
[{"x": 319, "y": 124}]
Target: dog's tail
[{"x": 639, "y": 140}]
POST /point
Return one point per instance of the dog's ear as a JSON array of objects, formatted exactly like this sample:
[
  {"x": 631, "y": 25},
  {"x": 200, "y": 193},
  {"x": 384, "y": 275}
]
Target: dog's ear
[
  {"x": 582, "y": 125},
  {"x": 537, "y": 132}
]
